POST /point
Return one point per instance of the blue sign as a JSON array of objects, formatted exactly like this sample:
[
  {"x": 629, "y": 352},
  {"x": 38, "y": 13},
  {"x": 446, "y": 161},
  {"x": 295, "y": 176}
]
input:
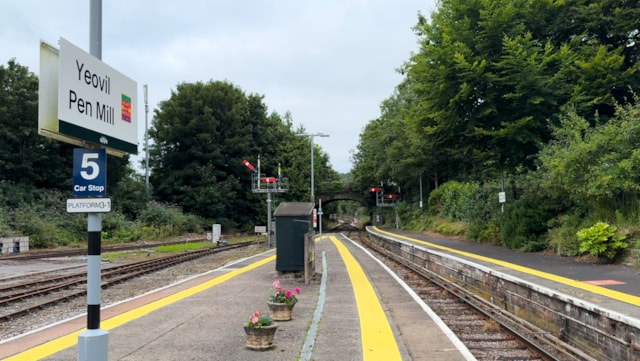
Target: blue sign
[{"x": 89, "y": 172}]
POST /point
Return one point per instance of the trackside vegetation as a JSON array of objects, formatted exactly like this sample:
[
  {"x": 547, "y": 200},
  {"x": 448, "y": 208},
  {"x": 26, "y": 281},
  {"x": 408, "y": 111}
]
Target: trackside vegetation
[
  {"x": 536, "y": 99},
  {"x": 200, "y": 137}
]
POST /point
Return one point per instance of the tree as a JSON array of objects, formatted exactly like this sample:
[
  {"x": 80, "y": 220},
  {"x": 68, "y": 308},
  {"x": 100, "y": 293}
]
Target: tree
[
  {"x": 200, "y": 137},
  {"x": 129, "y": 192},
  {"x": 596, "y": 168},
  {"x": 26, "y": 157},
  {"x": 491, "y": 76}
]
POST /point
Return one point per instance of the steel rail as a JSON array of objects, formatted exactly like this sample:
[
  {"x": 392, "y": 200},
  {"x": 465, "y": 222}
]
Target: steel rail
[
  {"x": 110, "y": 277},
  {"x": 549, "y": 347}
]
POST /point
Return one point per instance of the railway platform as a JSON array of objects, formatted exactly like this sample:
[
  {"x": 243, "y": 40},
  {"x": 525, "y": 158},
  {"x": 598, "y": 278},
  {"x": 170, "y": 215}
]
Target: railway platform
[
  {"x": 354, "y": 309},
  {"x": 612, "y": 286},
  {"x": 560, "y": 299}
]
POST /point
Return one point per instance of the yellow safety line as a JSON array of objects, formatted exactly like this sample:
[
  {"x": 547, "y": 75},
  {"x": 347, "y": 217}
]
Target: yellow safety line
[
  {"x": 61, "y": 343},
  {"x": 378, "y": 342},
  {"x": 617, "y": 295}
]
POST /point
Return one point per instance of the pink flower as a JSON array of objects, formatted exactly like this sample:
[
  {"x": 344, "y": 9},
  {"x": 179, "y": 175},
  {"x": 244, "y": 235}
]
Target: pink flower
[
  {"x": 280, "y": 295},
  {"x": 257, "y": 320}
]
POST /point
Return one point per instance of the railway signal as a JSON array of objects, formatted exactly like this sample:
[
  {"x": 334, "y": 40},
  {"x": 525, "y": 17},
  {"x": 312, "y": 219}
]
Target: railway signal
[
  {"x": 249, "y": 165},
  {"x": 269, "y": 185}
]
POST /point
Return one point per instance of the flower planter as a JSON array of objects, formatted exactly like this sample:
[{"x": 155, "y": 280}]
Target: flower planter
[
  {"x": 280, "y": 311},
  {"x": 260, "y": 338}
]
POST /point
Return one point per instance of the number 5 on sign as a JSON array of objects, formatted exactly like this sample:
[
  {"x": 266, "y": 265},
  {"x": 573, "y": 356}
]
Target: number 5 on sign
[{"x": 89, "y": 172}]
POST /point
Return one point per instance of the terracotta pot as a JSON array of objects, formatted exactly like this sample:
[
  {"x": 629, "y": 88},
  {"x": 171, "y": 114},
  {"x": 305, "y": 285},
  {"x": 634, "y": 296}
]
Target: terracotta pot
[
  {"x": 260, "y": 338},
  {"x": 280, "y": 311}
]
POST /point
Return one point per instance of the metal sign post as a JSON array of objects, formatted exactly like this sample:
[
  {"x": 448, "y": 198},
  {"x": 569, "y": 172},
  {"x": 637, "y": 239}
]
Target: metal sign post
[
  {"x": 90, "y": 179},
  {"x": 93, "y": 344},
  {"x": 85, "y": 102}
]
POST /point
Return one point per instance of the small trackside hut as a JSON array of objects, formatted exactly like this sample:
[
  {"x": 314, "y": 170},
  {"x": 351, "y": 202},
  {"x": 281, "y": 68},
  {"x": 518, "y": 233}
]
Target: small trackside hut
[
  {"x": 294, "y": 236},
  {"x": 14, "y": 245}
]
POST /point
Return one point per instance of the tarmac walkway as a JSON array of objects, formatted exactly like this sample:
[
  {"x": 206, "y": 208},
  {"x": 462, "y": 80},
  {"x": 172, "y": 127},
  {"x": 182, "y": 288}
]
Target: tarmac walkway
[
  {"x": 355, "y": 309},
  {"x": 612, "y": 287}
]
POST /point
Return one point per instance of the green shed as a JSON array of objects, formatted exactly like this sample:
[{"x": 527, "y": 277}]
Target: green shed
[{"x": 293, "y": 221}]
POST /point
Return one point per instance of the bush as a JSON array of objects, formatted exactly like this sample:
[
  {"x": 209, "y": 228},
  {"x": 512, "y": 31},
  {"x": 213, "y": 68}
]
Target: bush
[
  {"x": 117, "y": 229},
  {"x": 483, "y": 215},
  {"x": 601, "y": 239},
  {"x": 189, "y": 223},
  {"x": 562, "y": 235},
  {"x": 156, "y": 215},
  {"x": 41, "y": 215},
  {"x": 5, "y": 227},
  {"x": 470, "y": 203},
  {"x": 14, "y": 195},
  {"x": 525, "y": 221},
  {"x": 459, "y": 201}
]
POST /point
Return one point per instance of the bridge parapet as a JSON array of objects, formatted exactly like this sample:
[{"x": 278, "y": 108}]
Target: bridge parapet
[{"x": 340, "y": 196}]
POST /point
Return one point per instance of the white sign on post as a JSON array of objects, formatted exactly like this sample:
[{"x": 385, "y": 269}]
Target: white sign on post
[
  {"x": 216, "y": 232},
  {"x": 89, "y": 205},
  {"x": 93, "y": 102},
  {"x": 94, "y": 97}
]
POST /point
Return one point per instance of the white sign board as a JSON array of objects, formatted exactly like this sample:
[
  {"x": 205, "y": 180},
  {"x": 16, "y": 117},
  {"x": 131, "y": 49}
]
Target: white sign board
[
  {"x": 93, "y": 103},
  {"x": 502, "y": 197},
  {"x": 217, "y": 232},
  {"x": 88, "y": 205}
]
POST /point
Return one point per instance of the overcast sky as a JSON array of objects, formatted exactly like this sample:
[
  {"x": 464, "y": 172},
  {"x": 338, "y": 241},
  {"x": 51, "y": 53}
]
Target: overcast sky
[{"x": 328, "y": 62}]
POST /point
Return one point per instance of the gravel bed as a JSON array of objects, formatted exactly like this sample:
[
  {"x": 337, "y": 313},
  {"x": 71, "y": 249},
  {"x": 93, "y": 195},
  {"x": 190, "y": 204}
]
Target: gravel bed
[{"x": 121, "y": 291}]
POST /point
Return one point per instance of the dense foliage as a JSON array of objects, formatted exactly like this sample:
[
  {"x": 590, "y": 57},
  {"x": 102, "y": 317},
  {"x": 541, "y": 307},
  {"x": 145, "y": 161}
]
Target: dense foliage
[
  {"x": 490, "y": 81},
  {"x": 533, "y": 98},
  {"x": 535, "y": 94},
  {"x": 601, "y": 240},
  {"x": 26, "y": 158},
  {"x": 202, "y": 134}
]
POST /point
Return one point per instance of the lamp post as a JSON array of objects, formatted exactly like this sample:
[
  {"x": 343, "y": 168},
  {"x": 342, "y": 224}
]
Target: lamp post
[
  {"x": 313, "y": 200},
  {"x": 146, "y": 139}
]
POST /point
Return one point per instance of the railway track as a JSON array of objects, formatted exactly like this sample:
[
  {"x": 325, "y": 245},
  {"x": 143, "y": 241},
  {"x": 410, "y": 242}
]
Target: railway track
[
  {"x": 83, "y": 252},
  {"x": 487, "y": 331},
  {"x": 17, "y": 299}
]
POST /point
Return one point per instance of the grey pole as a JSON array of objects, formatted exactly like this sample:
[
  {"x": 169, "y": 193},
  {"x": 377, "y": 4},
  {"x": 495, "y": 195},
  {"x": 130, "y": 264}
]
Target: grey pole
[
  {"x": 269, "y": 240},
  {"x": 95, "y": 28},
  {"x": 146, "y": 139},
  {"x": 313, "y": 198},
  {"x": 93, "y": 344},
  {"x": 320, "y": 215},
  {"x": 420, "y": 190}
]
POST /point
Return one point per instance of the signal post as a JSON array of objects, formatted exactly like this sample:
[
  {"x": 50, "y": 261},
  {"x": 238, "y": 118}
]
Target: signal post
[{"x": 268, "y": 185}]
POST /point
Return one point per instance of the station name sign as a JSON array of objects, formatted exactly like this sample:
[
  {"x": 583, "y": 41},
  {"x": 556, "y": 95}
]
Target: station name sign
[
  {"x": 94, "y": 96},
  {"x": 93, "y": 103}
]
